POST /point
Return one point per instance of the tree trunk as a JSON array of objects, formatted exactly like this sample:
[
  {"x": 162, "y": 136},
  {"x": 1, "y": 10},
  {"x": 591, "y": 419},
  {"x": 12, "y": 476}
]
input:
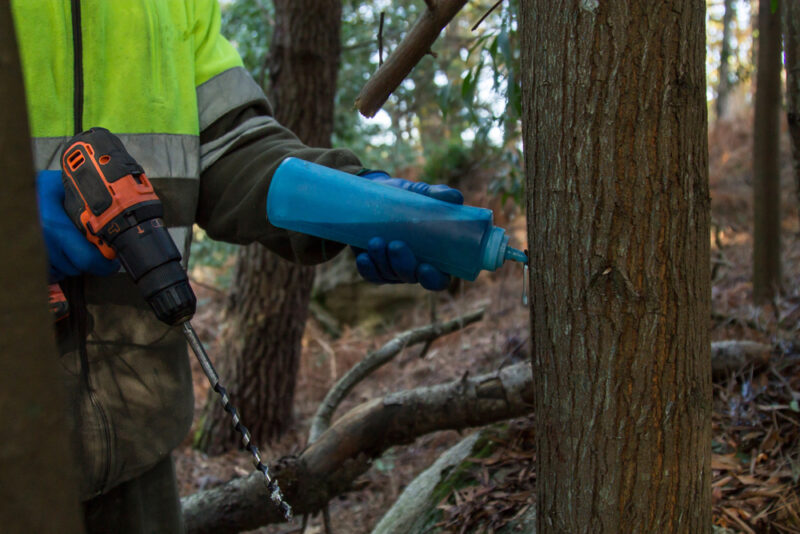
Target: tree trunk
[
  {"x": 37, "y": 463},
  {"x": 615, "y": 128},
  {"x": 724, "y": 87},
  {"x": 268, "y": 303},
  {"x": 791, "y": 40},
  {"x": 766, "y": 151}
]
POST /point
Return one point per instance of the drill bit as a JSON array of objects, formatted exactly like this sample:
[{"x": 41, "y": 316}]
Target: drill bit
[{"x": 272, "y": 484}]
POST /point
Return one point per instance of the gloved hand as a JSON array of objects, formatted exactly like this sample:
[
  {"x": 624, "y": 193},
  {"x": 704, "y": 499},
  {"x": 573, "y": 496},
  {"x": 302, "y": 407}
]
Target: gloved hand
[
  {"x": 394, "y": 262},
  {"x": 68, "y": 250}
]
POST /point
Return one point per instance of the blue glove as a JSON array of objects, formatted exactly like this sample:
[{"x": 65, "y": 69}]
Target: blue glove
[
  {"x": 68, "y": 250},
  {"x": 394, "y": 262}
]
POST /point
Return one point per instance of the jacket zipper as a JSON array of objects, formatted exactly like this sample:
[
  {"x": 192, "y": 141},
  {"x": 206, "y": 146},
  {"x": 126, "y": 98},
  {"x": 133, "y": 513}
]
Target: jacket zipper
[
  {"x": 77, "y": 66},
  {"x": 77, "y": 117}
]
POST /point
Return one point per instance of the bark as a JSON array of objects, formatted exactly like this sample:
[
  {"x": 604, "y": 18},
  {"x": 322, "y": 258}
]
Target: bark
[
  {"x": 37, "y": 463},
  {"x": 375, "y": 360},
  {"x": 328, "y": 466},
  {"x": 724, "y": 87},
  {"x": 408, "y": 53},
  {"x": 268, "y": 304},
  {"x": 766, "y": 151},
  {"x": 791, "y": 40},
  {"x": 615, "y": 128}
]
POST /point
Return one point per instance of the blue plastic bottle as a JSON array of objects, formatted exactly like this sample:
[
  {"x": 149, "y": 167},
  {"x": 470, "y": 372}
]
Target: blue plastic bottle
[{"x": 330, "y": 204}]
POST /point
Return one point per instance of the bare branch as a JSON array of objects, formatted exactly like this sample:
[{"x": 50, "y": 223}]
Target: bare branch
[
  {"x": 475, "y": 27},
  {"x": 328, "y": 467},
  {"x": 408, "y": 53},
  {"x": 380, "y": 40},
  {"x": 378, "y": 358},
  {"x": 731, "y": 355}
]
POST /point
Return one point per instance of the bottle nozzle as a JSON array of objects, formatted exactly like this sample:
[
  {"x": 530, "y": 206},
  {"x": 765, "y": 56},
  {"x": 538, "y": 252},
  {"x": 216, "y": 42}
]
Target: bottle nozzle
[{"x": 516, "y": 255}]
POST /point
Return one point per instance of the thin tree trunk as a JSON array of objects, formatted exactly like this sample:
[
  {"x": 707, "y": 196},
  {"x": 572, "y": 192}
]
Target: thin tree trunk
[
  {"x": 37, "y": 463},
  {"x": 615, "y": 128},
  {"x": 766, "y": 151},
  {"x": 724, "y": 87},
  {"x": 268, "y": 304},
  {"x": 791, "y": 40}
]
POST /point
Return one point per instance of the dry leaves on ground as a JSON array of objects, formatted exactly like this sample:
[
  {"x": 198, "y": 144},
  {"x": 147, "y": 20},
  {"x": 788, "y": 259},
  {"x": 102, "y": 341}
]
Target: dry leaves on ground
[
  {"x": 756, "y": 458},
  {"x": 494, "y": 490}
]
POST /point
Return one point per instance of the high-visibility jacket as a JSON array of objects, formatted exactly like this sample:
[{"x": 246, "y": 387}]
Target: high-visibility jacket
[{"x": 158, "y": 74}]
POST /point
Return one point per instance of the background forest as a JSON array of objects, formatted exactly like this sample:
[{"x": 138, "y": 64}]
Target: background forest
[{"x": 456, "y": 120}]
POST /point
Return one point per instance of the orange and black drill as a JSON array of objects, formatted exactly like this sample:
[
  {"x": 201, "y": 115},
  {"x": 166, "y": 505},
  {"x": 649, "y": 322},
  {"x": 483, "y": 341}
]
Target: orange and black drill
[{"x": 110, "y": 199}]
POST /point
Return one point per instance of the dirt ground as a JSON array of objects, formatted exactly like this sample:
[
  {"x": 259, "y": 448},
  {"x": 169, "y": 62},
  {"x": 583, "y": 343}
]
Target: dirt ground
[{"x": 756, "y": 460}]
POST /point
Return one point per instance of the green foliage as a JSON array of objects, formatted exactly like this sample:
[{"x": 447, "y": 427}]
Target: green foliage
[
  {"x": 509, "y": 181},
  {"x": 448, "y": 163},
  {"x": 446, "y": 113},
  {"x": 209, "y": 253},
  {"x": 248, "y": 25},
  {"x": 386, "y": 462},
  {"x": 497, "y": 52}
]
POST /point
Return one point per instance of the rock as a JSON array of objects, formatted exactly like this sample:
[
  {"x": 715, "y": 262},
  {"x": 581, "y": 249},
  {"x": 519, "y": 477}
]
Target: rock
[
  {"x": 349, "y": 299},
  {"x": 412, "y": 510}
]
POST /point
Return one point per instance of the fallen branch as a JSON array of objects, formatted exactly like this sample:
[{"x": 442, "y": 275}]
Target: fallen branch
[
  {"x": 407, "y": 54},
  {"x": 378, "y": 358},
  {"x": 328, "y": 466},
  {"x": 727, "y": 356},
  {"x": 749, "y": 323}
]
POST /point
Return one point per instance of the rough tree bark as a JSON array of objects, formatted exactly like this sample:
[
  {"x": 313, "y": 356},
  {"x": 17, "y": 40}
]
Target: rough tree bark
[
  {"x": 766, "y": 151},
  {"x": 724, "y": 87},
  {"x": 268, "y": 303},
  {"x": 791, "y": 40},
  {"x": 615, "y": 127},
  {"x": 37, "y": 466}
]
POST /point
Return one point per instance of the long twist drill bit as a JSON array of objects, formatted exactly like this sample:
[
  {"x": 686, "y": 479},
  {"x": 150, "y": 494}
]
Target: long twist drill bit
[{"x": 272, "y": 484}]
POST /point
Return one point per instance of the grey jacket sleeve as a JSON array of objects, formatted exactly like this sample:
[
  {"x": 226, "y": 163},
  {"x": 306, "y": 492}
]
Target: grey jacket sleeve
[{"x": 240, "y": 150}]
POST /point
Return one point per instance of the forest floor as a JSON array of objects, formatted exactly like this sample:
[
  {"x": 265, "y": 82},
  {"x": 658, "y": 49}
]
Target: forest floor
[{"x": 756, "y": 421}]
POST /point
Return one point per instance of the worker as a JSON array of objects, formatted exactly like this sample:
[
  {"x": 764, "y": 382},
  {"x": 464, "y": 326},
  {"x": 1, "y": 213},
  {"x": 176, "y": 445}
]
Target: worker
[{"x": 159, "y": 75}]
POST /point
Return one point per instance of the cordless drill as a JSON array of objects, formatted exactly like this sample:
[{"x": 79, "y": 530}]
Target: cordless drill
[{"x": 110, "y": 199}]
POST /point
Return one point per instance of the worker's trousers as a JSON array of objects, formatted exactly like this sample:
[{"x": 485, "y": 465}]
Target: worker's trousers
[{"x": 148, "y": 504}]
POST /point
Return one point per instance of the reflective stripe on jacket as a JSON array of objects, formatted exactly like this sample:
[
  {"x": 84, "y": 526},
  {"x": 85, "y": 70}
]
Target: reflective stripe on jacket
[{"x": 159, "y": 75}]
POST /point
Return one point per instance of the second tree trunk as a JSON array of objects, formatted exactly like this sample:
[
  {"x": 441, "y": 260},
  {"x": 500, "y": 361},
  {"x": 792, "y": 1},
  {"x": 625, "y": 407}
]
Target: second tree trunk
[{"x": 268, "y": 303}]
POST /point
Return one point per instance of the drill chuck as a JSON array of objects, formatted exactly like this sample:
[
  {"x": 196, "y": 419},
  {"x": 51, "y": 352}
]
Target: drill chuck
[{"x": 150, "y": 257}]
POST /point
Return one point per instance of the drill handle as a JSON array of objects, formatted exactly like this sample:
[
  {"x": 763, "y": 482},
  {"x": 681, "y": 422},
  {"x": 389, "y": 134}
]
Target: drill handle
[{"x": 102, "y": 181}]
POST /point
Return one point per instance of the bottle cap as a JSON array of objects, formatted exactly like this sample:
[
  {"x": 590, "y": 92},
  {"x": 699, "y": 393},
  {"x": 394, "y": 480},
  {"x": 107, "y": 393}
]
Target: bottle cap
[{"x": 494, "y": 251}]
